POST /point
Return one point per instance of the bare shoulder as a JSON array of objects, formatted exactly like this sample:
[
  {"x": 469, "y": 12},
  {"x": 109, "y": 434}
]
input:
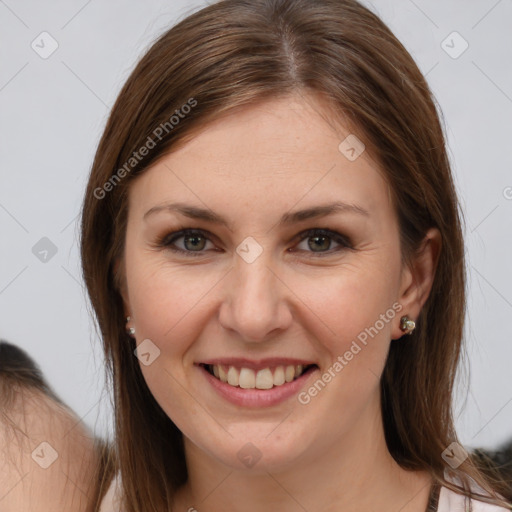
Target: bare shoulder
[{"x": 48, "y": 459}]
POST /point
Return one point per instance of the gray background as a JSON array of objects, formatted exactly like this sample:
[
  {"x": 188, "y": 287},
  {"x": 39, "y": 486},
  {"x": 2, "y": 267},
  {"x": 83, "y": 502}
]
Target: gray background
[{"x": 53, "y": 111}]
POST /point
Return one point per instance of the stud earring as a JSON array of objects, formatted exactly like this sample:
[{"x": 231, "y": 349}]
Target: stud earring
[
  {"x": 130, "y": 330},
  {"x": 407, "y": 325}
]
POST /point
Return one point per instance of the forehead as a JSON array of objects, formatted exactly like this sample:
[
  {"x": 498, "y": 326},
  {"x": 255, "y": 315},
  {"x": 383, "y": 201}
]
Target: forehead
[{"x": 262, "y": 159}]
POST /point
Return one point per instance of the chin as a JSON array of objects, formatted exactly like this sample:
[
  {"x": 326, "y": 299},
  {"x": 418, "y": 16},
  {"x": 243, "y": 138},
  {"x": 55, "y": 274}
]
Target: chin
[{"x": 259, "y": 447}]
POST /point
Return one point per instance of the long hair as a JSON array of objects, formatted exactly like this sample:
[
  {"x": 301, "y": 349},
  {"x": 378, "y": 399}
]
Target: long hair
[{"x": 232, "y": 54}]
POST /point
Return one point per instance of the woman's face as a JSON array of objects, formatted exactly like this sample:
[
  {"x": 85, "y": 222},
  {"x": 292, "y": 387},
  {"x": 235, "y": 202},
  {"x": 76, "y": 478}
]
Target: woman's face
[{"x": 281, "y": 280}]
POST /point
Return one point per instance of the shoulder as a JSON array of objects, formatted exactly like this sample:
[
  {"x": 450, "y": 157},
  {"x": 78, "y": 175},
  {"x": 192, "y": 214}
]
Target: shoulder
[
  {"x": 450, "y": 501},
  {"x": 47, "y": 456}
]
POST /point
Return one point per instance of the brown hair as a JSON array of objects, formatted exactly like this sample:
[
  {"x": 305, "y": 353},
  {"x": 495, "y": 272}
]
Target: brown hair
[{"x": 235, "y": 53}]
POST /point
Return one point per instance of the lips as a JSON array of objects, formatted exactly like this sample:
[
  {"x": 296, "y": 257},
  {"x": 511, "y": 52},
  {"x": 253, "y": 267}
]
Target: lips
[
  {"x": 255, "y": 376},
  {"x": 257, "y": 383}
]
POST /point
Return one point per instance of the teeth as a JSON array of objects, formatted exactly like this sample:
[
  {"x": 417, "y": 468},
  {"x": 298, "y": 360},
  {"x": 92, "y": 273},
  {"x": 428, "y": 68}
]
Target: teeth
[
  {"x": 233, "y": 376},
  {"x": 223, "y": 376},
  {"x": 247, "y": 378},
  {"x": 264, "y": 379},
  {"x": 279, "y": 376}
]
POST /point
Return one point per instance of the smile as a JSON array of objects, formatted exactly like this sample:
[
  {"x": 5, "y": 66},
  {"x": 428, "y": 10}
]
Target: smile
[
  {"x": 256, "y": 385},
  {"x": 247, "y": 378}
]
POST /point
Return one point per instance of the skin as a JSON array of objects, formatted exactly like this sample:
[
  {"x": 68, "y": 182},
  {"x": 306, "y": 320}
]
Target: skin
[{"x": 251, "y": 167}]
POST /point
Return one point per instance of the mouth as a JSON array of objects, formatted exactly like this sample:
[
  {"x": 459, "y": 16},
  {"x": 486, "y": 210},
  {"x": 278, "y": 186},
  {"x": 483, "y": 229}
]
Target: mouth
[
  {"x": 256, "y": 384},
  {"x": 263, "y": 378}
]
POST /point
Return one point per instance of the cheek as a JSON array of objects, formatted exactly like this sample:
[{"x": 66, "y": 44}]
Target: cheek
[
  {"x": 168, "y": 301},
  {"x": 167, "y": 308},
  {"x": 353, "y": 302},
  {"x": 357, "y": 306}
]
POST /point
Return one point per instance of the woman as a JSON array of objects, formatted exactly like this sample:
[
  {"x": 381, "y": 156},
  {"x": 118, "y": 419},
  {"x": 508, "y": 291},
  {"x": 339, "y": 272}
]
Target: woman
[{"x": 272, "y": 246}]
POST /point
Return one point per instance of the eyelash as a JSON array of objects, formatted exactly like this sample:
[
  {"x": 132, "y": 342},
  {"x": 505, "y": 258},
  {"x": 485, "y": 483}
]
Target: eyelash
[{"x": 167, "y": 240}]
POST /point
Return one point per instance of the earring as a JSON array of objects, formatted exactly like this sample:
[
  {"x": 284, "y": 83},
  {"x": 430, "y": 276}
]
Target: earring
[
  {"x": 407, "y": 325},
  {"x": 130, "y": 330}
]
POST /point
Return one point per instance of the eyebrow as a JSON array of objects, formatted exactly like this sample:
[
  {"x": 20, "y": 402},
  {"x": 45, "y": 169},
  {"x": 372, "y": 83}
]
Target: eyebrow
[{"x": 205, "y": 214}]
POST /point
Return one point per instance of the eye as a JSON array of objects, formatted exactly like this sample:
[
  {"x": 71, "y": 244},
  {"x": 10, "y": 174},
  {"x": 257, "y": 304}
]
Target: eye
[
  {"x": 190, "y": 241},
  {"x": 319, "y": 241}
]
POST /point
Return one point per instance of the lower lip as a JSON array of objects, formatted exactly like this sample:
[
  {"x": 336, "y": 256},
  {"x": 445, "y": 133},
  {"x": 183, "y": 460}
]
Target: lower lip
[{"x": 257, "y": 397}]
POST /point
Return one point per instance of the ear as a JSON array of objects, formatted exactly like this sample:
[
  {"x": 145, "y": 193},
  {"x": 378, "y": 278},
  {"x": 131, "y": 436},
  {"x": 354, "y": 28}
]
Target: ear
[
  {"x": 120, "y": 280},
  {"x": 416, "y": 281}
]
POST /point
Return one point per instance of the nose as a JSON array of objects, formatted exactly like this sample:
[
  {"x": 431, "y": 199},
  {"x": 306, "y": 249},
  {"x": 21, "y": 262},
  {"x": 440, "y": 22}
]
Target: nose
[{"x": 256, "y": 302}]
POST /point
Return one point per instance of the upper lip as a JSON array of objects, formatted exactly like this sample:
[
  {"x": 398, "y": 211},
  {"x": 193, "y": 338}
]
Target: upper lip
[{"x": 260, "y": 364}]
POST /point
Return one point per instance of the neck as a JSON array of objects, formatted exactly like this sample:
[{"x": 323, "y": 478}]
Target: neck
[{"x": 354, "y": 472}]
